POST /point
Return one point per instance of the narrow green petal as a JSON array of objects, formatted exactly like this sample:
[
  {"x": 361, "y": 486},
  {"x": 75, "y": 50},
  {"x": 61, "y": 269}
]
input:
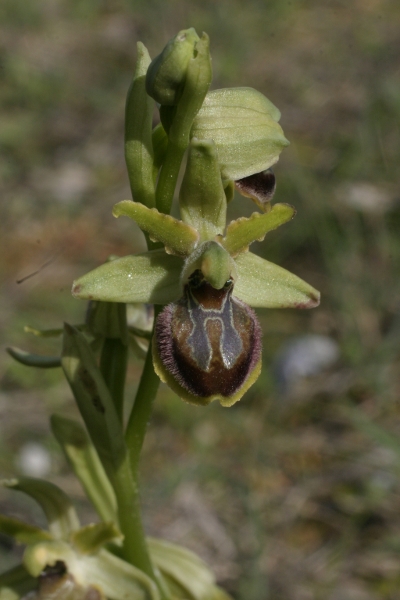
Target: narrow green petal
[
  {"x": 86, "y": 465},
  {"x": 89, "y": 539},
  {"x": 94, "y": 400},
  {"x": 152, "y": 277},
  {"x": 177, "y": 237},
  {"x": 34, "y": 360},
  {"x": 56, "y": 505},
  {"x": 264, "y": 284},
  {"x": 242, "y": 232},
  {"x": 22, "y": 532}
]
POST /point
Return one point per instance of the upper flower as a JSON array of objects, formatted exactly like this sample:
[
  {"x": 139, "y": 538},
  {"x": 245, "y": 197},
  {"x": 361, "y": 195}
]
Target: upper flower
[{"x": 208, "y": 341}]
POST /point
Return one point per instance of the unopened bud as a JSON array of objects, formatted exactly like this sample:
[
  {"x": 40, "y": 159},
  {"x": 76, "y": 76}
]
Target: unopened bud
[{"x": 167, "y": 72}]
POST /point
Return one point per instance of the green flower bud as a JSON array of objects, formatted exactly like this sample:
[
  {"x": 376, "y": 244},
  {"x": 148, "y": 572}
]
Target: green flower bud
[
  {"x": 167, "y": 72},
  {"x": 243, "y": 124}
]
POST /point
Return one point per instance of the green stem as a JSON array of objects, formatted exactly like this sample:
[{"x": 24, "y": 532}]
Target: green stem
[
  {"x": 129, "y": 515},
  {"x": 141, "y": 411},
  {"x": 137, "y": 551},
  {"x": 169, "y": 176}
]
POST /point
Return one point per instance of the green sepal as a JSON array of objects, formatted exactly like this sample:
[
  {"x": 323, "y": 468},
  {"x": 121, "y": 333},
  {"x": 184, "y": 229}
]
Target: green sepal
[
  {"x": 93, "y": 398},
  {"x": 178, "y": 237},
  {"x": 113, "y": 576},
  {"x": 22, "y": 532},
  {"x": 56, "y": 505},
  {"x": 89, "y": 539},
  {"x": 242, "y": 232},
  {"x": 86, "y": 465},
  {"x": 34, "y": 360},
  {"x": 183, "y": 567},
  {"x": 261, "y": 283},
  {"x": 243, "y": 124},
  {"x": 202, "y": 199},
  {"x": 15, "y": 583},
  {"x": 152, "y": 277},
  {"x": 138, "y": 133}
]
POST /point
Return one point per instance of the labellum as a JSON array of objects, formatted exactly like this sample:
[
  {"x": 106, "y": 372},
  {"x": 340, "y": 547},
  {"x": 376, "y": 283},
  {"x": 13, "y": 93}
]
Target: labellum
[{"x": 209, "y": 342}]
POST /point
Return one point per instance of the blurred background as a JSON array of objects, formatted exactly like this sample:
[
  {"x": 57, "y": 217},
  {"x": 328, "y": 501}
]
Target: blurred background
[{"x": 294, "y": 493}]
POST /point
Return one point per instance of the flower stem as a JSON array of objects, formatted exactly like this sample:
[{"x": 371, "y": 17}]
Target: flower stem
[
  {"x": 129, "y": 503},
  {"x": 141, "y": 411},
  {"x": 168, "y": 177},
  {"x": 127, "y": 494}
]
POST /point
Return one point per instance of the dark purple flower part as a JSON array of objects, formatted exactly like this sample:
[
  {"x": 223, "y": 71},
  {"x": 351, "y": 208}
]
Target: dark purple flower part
[
  {"x": 260, "y": 187},
  {"x": 209, "y": 341}
]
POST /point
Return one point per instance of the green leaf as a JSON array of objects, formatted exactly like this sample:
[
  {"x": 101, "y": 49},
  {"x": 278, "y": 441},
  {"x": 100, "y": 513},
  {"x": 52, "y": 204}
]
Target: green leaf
[
  {"x": 86, "y": 465},
  {"x": 93, "y": 398},
  {"x": 34, "y": 360},
  {"x": 243, "y": 124},
  {"x": 55, "y": 503},
  {"x": 152, "y": 277},
  {"x": 183, "y": 567},
  {"x": 138, "y": 133},
  {"x": 22, "y": 532},
  {"x": 178, "y": 237},
  {"x": 202, "y": 199},
  {"x": 242, "y": 232},
  {"x": 15, "y": 583},
  {"x": 264, "y": 284},
  {"x": 45, "y": 333},
  {"x": 89, "y": 539}
]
